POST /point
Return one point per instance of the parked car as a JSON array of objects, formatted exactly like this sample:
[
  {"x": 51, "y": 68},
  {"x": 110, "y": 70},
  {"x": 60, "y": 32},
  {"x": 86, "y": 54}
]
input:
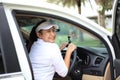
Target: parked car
[{"x": 98, "y": 50}]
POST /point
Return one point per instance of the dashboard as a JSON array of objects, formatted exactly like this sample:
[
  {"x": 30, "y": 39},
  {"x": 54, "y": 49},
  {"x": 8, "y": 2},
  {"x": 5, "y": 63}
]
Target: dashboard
[{"x": 93, "y": 60}]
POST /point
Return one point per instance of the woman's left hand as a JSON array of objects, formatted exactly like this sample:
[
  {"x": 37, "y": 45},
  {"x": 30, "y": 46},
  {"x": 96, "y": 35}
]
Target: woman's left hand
[{"x": 63, "y": 45}]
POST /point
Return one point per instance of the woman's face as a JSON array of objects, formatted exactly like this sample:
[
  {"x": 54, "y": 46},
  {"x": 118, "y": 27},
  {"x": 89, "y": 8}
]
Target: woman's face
[{"x": 48, "y": 35}]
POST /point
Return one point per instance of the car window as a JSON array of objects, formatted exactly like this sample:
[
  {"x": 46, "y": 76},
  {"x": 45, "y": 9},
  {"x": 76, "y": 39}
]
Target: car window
[
  {"x": 76, "y": 35},
  {"x": 8, "y": 59},
  {"x": 8, "y": 56}
]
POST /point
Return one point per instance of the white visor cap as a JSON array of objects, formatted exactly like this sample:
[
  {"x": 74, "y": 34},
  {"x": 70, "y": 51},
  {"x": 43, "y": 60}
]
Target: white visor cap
[{"x": 46, "y": 25}]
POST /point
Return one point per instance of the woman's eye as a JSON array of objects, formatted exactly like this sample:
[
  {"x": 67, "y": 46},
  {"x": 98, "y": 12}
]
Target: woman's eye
[{"x": 54, "y": 30}]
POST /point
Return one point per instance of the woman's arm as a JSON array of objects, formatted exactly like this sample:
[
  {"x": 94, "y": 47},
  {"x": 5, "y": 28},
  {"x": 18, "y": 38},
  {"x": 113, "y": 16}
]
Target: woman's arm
[{"x": 70, "y": 49}]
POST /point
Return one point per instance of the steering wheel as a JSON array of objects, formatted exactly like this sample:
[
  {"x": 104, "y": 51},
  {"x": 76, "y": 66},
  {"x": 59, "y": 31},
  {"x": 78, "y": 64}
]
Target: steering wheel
[
  {"x": 73, "y": 59},
  {"x": 75, "y": 70}
]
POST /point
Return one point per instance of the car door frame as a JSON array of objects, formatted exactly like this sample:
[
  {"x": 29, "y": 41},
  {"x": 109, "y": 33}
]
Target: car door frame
[
  {"x": 115, "y": 38},
  {"x": 11, "y": 59}
]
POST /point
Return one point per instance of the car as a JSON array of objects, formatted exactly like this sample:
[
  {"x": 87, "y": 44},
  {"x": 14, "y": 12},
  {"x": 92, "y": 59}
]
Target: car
[{"x": 97, "y": 56}]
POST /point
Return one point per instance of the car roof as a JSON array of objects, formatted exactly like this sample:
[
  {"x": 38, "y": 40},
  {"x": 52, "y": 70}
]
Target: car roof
[
  {"x": 37, "y": 3},
  {"x": 53, "y": 9}
]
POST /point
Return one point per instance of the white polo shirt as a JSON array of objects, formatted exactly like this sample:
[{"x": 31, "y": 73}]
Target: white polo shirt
[{"x": 46, "y": 59}]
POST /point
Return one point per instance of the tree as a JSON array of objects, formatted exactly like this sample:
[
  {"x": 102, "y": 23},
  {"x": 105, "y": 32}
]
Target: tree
[
  {"x": 69, "y": 3},
  {"x": 103, "y": 5}
]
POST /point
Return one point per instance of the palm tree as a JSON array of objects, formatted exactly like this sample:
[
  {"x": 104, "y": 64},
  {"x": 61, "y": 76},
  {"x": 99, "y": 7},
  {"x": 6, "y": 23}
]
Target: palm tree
[{"x": 69, "y": 3}]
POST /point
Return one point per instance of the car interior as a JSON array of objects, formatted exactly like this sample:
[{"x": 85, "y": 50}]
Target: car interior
[{"x": 90, "y": 61}]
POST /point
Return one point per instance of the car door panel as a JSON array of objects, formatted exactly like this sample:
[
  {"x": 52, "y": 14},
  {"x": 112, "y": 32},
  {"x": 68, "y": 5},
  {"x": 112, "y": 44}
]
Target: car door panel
[
  {"x": 10, "y": 68},
  {"x": 12, "y": 76},
  {"x": 116, "y": 37},
  {"x": 117, "y": 66},
  {"x": 106, "y": 76}
]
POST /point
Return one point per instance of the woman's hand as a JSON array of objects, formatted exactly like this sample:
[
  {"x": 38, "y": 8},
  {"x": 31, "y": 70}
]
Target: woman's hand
[
  {"x": 71, "y": 48},
  {"x": 63, "y": 45}
]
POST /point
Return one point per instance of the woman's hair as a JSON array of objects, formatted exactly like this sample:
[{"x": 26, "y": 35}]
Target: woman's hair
[{"x": 33, "y": 37}]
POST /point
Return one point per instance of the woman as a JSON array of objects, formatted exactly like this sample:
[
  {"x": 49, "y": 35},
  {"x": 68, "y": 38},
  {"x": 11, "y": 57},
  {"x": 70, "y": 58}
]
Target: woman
[{"x": 45, "y": 55}]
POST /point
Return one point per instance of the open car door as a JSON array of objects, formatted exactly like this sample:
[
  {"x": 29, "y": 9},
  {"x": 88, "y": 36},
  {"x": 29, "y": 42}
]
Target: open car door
[{"x": 116, "y": 37}]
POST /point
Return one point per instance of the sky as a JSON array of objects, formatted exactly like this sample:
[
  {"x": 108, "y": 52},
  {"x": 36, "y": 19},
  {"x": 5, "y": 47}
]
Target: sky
[{"x": 88, "y": 10}]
